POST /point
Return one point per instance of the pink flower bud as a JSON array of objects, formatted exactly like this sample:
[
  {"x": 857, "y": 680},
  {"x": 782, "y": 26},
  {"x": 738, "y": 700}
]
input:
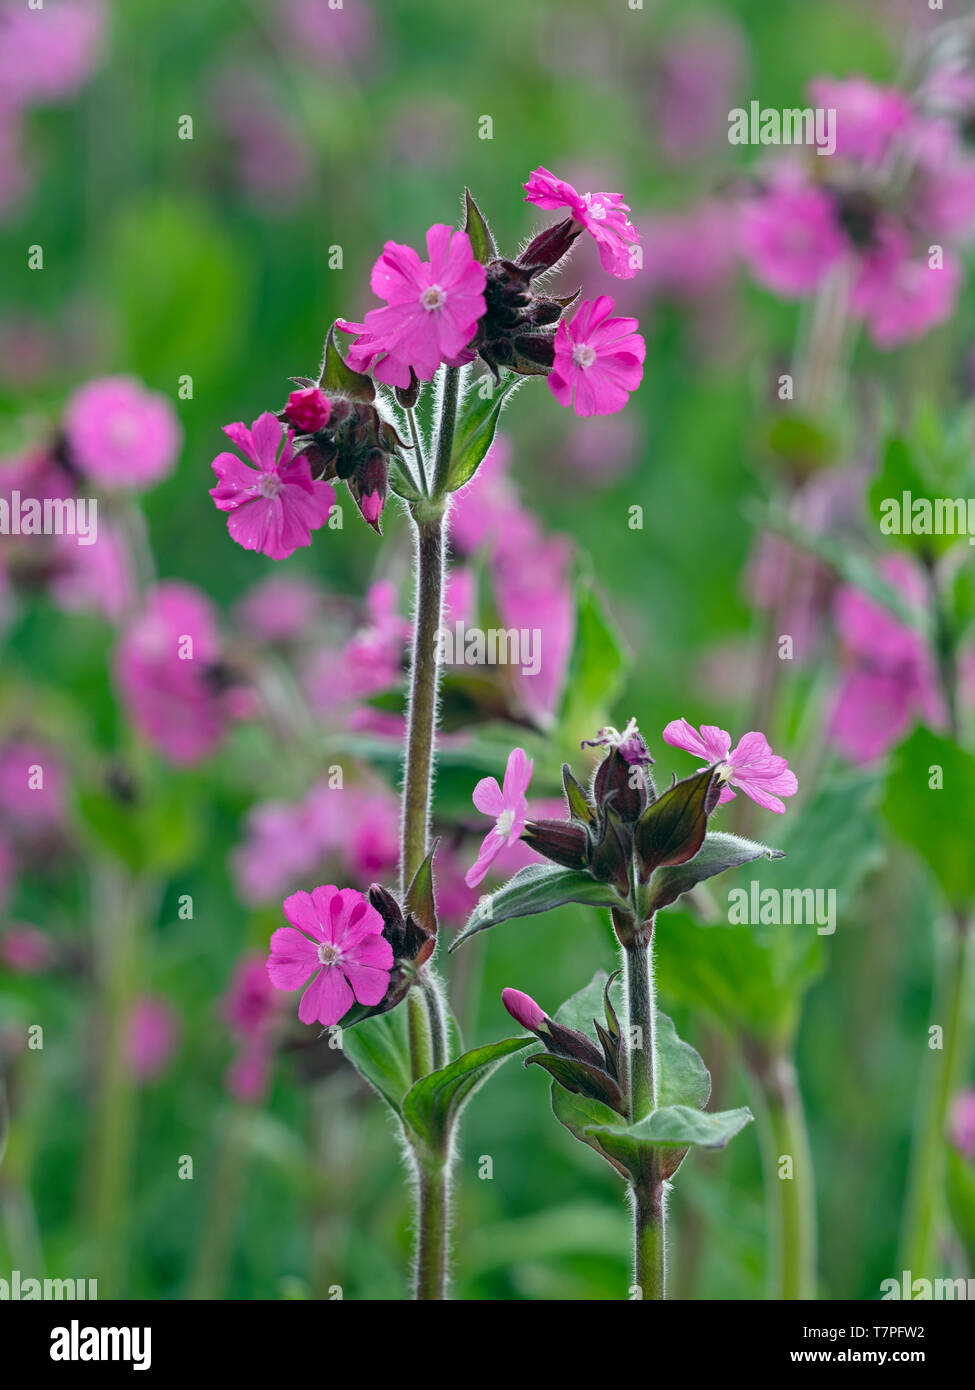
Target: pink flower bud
[
  {"x": 523, "y": 1009},
  {"x": 308, "y": 410}
]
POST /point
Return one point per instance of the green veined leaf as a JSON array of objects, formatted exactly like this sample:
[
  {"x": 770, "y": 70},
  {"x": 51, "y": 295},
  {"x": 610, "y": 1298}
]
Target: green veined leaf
[
  {"x": 536, "y": 888},
  {"x": 433, "y": 1103},
  {"x": 720, "y": 851},
  {"x": 379, "y": 1049}
]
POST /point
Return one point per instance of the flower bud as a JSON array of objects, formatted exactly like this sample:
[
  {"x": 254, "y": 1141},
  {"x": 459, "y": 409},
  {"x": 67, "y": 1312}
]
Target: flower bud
[
  {"x": 523, "y": 1009},
  {"x": 308, "y": 409},
  {"x": 562, "y": 841},
  {"x": 548, "y": 248}
]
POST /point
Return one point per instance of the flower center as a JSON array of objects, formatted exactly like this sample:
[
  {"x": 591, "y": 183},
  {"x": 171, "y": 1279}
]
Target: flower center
[
  {"x": 329, "y": 955},
  {"x": 597, "y": 210},
  {"x": 583, "y": 355},
  {"x": 505, "y": 821},
  {"x": 269, "y": 485},
  {"x": 725, "y": 772},
  {"x": 123, "y": 430},
  {"x": 433, "y": 297}
]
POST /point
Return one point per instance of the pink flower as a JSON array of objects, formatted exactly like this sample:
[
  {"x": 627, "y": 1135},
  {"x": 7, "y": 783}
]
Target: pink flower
[
  {"x": 598, "y": 360},
  {"x": 25, "y": 950},
  {"x": 153, "y": 1033},
  {"x": 523, "y": 1009},
  {"x": 249, "y": 1004},
  {"x": 889, "y": 678},
  {"x": 168, "y": 669},
  {"x": 900, "y": 295},
  {"x": 533, "y": 589},
  {"x": 509, "y": 807},
  {"x": 95, "y": 578},
  {"x": 48, "y": 52},
  {"x": 963, "y": 1124},
  {"x": 603, "y": 215},
  {"x": 751, "y": 765},
  {"x": 32, "y": 790},
  {"x": 308, "y": 409},
  {"x": 867, "y": 116},
  {"x": 790, "y": 236},
  {"x": 280, "y": 608},
  {"x": 432, "y": 310},
  {"x": 120, "y": 434},
  {"x": 274, "y": 506},
  {"x": 483, "y": 507},
  {"x": 327, "y": 34},
  {"x": 339, "y": 945}
]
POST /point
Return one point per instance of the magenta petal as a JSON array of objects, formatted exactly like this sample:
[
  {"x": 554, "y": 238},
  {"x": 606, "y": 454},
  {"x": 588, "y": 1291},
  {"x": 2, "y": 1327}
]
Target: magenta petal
[
  {"x": 369, "y": 984},
  {"x": 300, "y": 912},
  {"x": 327, "y": 998},
  {"x": 487, "y": 797},
  {"x": 293, "y": 958}
]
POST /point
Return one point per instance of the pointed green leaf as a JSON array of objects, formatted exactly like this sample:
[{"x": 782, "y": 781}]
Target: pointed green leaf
[
  {"x": 720, "y": 851},
  {"x": 536, "y": 888},
  {"x": 338, "y": 376},
  {"x": 379, "y": 1049},
  {"x": 420, "y": 896},
  {"x": 675, "y": 1127},
  {"x": 433, "y": 1103},
  {"x": 929, "y": 801},
  {"x": 402, "y": 482},
  {"x": 585, "y": 1118},
  {"x": 475, "y": 431},
  {"x": 476, "y": 227}
]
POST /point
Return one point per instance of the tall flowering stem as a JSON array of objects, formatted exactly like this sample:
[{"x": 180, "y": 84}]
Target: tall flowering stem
[{"x": 649, "y": 1255}]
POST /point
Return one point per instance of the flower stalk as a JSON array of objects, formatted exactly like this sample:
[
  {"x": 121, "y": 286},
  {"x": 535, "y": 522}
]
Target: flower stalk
[{"x": 649, "y": 1255}]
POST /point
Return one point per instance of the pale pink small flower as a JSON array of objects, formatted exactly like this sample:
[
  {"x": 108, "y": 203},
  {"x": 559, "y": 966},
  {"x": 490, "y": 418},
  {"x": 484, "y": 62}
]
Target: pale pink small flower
[
  {"x": 336, "y": 941},
  {"x": 603, "y": 215},
  {"x": 790, "y": 236},
  {"x": 523, "y": 1009},
  {"x": 280, "y": 608},
  {"x": 509, "y": 807},
  {"x": 868, "y": 117},
  {"x": 598, "y": 359},
  {"x": 900, "y": 294},
  {"x": 153, "y": 1035},
  {"x": 431, "y": 312},
  {"x": 308, "y": 409},
  {"x": 275, "y": 505},
  {"x": 750, "y": 765},
  {"x": 120, "y": 434}
]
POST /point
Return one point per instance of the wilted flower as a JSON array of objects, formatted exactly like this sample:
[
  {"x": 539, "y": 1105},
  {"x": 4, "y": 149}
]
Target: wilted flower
[
  {"x": 603, "y": 215},
  {"x": 336, "y": 940}
]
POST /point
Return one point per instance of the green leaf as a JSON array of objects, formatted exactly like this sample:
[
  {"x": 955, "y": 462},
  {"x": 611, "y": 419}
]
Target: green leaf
[
  {"x": 719, "y": 852},
  {"x": 936, "y": 820},
  {"x": 671, "y": 830},
  {"x": 597, "y": 667},
  {"x": 476, "y": 227},
  {"x": 401, "y": 481},
  {"x": 475, "y": 431},
  {"x": 536, "y": 888},
  {"x": 585, "y": 1119},
  {"x": 420, "y": 898},
  {"x": 671, "y": 1127},
  {"x": 379, "y": 1049},
  {"x": 798, "y": 439},
  {"x": 433, "y": 1103},
  {"x": 338, "y": 377}
]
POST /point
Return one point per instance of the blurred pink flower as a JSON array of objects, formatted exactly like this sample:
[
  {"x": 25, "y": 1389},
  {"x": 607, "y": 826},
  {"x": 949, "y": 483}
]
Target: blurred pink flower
[
  {"x": 751, "y": 765},
  {"x": 598, "y": 359},
  {"x": 25, "y": 950},
  {"x": 867, "y": 116},
  {"x": 280, "y": 608},
  {"x": 603, "y": 215},
  {"x": 963, "y": 1124},
  {"x": 460, "y": 595},
  {"x": 321, "y": 33},
  {"x": 790, "y": 236},
  {"x": 483, "y": 507},
  {"x": 689, "y": 255},
  {"x": 335, "y": 938},
  {"x": 153, "y": 1036},
  {"x": 888, "y": 680},
  {"x": 370, "y": 662},
  {"x": 270, "y": 158},
  {"x": 507, "y": 805},
  {"x": 32, "y": 787},
  {"x": 533, "y": 590},
  {"x": 96, "y": 578},
  {"x": 168, "y": 668},
  {"x": 900, "y": 295},
  {"x": 601, "y": 448},
  {"x": 368, "y": 832},
  {"x": 275, "y": 505},
  {"x": 698, "y": 73},
  {"x": 249, "y": 1074},
  {"x": 432, "y": 310},
  {"x": 120, "y": 434},
  {"x": 48, "y": 53},
  {"x": 943, "y": 179},
  {"x": 282, "y": 842},
  {"x": 250, "y": 1004}
]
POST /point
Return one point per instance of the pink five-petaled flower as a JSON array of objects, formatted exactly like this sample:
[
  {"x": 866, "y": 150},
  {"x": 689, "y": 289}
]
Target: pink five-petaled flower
[
  {"x": 598, "y": 360},
  {"x": 274, "y": 506},
  {"x": 507, "y": 805},
  {"x": 602, "y": 214},
  {"x": 339, "y": 942},
  {"x": 751, "y": 765},
  {"x": 432, "y": 310},
  {"x": 121, "y": 435}
]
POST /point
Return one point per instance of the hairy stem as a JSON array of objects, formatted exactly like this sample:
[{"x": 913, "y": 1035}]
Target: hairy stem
[
  {"x": 430, "y": 1274},
  {"x": 940, "y": 1077},
  {"x": 649, "y": 1262},
  {"x": 790, "y": 1194},
  {"x": 424, "y": 679}
]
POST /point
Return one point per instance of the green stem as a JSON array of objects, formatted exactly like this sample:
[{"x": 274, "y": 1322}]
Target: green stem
[
  {"x": 116, "y": 910},
  {"x": 430, "y": 1275},
  {"x": 445, "y": 433},
  {"x": 424, "y": 679},
  {"x": 418, "y": 450},
  {"x": 213, "y": 1253},
  {"x": 790, "y": 1194},
  {"x": 649, "y": 1262},
  {"x": 940, "y": 1078}
]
